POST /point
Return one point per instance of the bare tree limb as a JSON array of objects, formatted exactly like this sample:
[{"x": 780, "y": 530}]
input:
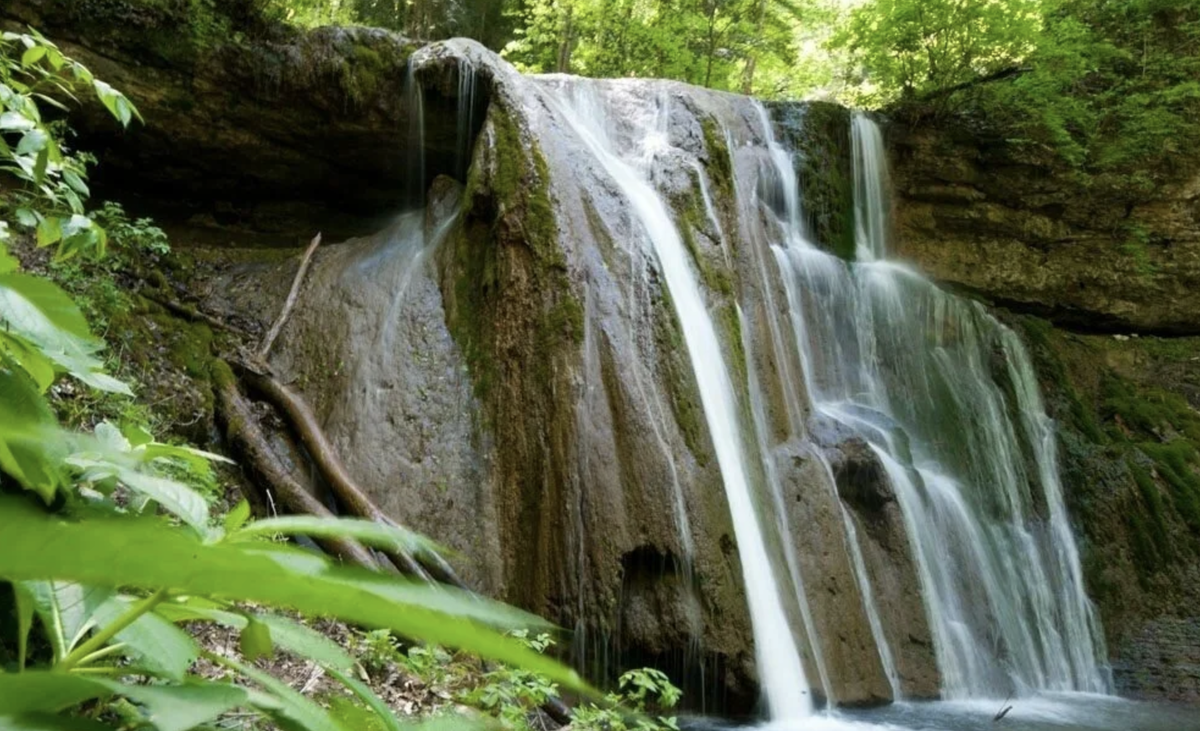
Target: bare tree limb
[
  {"x": 290, "y": 302},
  {"x": 307, "y": 428}
]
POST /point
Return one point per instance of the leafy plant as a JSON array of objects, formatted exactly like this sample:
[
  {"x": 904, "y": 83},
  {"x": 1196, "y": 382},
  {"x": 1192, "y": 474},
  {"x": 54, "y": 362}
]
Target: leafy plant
[{"x": 639, "y": 691}]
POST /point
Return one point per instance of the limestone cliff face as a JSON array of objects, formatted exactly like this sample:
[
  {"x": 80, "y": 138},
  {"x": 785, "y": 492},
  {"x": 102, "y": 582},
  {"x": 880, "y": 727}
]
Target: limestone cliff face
[{"x": 1084, "y": 252}]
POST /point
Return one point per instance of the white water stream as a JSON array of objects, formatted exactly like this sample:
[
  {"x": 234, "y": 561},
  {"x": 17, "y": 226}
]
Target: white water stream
[{"x": 780, "y": 669}]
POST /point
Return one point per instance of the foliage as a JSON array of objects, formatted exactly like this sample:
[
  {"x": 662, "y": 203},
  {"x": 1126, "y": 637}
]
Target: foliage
[
  {"x": 716, "y": 43},
  {"x": 130, "y": 550},
  {"x": 513, "y": 696},
  {"x": 1112, "y": 87},
  {"x": 914, "y": 46}
]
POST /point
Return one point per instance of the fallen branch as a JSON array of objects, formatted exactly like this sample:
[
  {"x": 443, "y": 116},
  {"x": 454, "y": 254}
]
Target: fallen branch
[
  {"x": 243, "y": 431},
  {"x": 290, "y": 302},
  {"x": 312, "y": 436},
  {"x": 187, "y": 312}
]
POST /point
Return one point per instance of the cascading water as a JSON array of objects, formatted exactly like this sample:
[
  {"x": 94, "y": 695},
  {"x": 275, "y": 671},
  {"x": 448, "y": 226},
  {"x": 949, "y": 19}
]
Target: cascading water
[
  {"x": 781, "y": 672},
  {"x": 946, "y": 396}
]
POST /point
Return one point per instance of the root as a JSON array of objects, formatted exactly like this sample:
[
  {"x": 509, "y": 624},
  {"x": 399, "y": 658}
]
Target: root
[
  {"x": 244, "y": 433},
  {"x": 304, "y": 423}
]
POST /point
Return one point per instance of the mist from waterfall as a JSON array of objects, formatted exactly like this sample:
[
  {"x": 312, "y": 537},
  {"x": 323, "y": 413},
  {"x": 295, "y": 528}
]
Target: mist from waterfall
[{"x": 947, "y": 397}]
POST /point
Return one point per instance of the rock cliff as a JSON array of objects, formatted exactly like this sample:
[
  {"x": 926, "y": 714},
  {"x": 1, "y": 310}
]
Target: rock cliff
[{"x": 1088, "y": 253}]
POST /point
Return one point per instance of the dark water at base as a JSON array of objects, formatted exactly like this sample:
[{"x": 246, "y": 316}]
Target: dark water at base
[{"x": 1050, "y": 712}]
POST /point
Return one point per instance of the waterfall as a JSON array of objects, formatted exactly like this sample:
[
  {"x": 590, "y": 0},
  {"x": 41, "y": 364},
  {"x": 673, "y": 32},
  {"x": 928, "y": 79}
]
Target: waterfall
[
  {"x": 780, "y": 668},
  {"x": 946, "y": 396}
]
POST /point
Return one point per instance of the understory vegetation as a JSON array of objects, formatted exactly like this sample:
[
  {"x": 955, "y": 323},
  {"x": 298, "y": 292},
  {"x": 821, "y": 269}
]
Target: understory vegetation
[{"x": 126, "y": 549}]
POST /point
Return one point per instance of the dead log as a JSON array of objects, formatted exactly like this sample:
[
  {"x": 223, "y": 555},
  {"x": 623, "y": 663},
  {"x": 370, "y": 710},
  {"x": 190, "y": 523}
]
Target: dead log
[
  {"x": 241, "y": 427},
  {"x": 290, "y": 302}
]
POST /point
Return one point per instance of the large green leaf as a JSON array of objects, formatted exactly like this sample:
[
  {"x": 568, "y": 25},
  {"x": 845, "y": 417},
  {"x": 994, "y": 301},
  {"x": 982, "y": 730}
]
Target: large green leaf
[
  {"x": 41, "y": 313},
  {"x": 368, "y": 532},
  {"x": 67, "y": 610},
  {"x": 50, "y": 722},
  {"x": 30, "y": 450},
  {"x": 153, "y": 641},
  {"x": 168, "y": 707},
  {"x": 112, "y": 458},
  {"x": 144, "y": 553},
  {"x": 181, "y": 707},
  {"x": 42, "y": 691}
]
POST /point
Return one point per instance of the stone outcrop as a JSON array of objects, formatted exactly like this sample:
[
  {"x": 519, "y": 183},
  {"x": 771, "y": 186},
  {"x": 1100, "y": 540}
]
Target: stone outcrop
[
  {"x": 1097, "y": 258},
  {"x": 247, "y": 127}
]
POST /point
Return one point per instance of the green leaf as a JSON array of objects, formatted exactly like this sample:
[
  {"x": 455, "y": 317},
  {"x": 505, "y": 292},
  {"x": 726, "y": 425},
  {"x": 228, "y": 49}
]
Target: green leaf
[
  {"x": 174, "y": 497},
  {"x": 31, "y": 450},
  {"x": 38, "y": 366},
  {"x": 33, "y": 55},
  {"x": 67, "y": 610},
  {"x": 254, "y": 642},
  {"x": 237, "y": 517},
  {"x": 49, "y": 231},
  {"x": 74, "y": 180},
  {"x": 32, "y": 141},
  {"x": 168, "y": 707},
  {"x": 140, "y": 552},
  {"x": 27, "y": 218},
  {"x": 40, "y": 691},
  {"x": 365, "y": 531},
  {"x": 296, "y": 710},
  {"x": 182, "y": 707},
  {"x": 368, "y": 696},
  {"x": 39, "y": 168},
  {"x": 152, "y": 640},
  {"x": 45, "y": 316},
  {"x": 25, "y": 606},
  {"x": 15, "y": 122},
  {"x": 50, "y": 722}
]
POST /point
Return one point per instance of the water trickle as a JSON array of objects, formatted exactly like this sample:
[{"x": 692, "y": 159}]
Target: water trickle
[
  {"x": 872, "y": 190},
  {"x": 414, "y": 177},
  {"x": 465, "y": 117},
  {"x": 780, "y": 669}
]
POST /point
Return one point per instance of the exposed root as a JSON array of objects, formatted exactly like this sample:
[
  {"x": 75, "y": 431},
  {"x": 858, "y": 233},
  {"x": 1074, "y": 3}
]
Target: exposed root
[
  {"x": 189, "y": 313},
  {"x": 350, "y": 495},
  {"x": 241, "y": 427}
]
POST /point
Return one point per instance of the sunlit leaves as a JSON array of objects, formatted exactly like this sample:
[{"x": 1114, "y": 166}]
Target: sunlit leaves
[
  {"x": 113, "y": 553},
  {"x": 38, "y": 312}
]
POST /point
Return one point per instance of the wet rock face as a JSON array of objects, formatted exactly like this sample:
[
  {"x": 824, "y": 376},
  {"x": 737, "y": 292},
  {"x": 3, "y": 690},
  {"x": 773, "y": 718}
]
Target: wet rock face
[
  {"x": 867, "y": 493},
  {"x": 1161, "y": 662},
  {"x": 1035, "y": 239}
]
